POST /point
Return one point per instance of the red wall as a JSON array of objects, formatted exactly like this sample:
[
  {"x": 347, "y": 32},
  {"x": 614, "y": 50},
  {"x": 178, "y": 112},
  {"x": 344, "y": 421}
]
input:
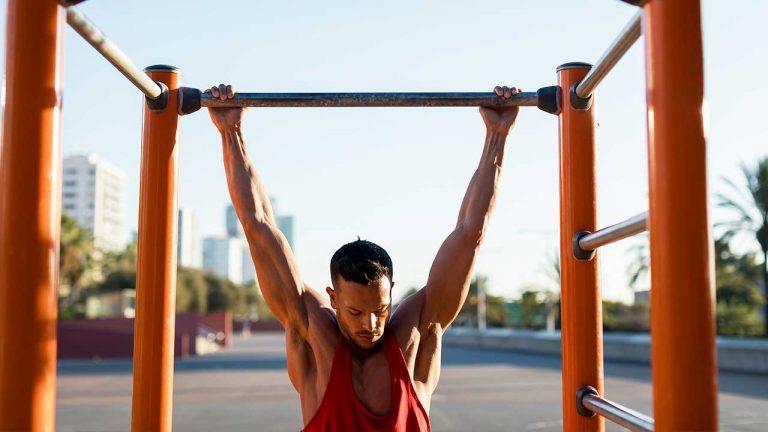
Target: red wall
[{"x": 113, "y": 337}]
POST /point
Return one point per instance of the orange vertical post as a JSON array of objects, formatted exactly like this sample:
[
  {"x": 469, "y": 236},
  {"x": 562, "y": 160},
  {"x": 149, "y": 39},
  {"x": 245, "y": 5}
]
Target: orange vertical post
[
  {"x": 581, "y": 311},
  {"x": 156, "y": 268},
  {"x": 30, "y": 209},
  {"x": 683, "y": 352}
]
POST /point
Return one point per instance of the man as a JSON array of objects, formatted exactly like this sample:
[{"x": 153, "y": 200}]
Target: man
[{"x": 356, "y": 365}]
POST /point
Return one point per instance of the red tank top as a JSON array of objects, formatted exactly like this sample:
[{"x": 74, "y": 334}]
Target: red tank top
[{"x": 341, "y": 410}]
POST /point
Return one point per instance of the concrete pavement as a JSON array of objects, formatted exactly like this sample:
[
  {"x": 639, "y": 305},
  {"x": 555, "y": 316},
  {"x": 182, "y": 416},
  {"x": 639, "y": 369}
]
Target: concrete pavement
[{"x": 246, "y": 388}]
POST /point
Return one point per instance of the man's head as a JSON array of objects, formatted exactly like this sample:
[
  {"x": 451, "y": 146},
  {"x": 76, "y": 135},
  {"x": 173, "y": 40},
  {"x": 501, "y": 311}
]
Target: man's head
[{"x": 361, "y": 274}]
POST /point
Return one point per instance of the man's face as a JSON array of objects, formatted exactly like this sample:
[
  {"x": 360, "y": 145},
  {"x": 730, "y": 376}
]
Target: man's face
[{"x": 362, "y": 311}]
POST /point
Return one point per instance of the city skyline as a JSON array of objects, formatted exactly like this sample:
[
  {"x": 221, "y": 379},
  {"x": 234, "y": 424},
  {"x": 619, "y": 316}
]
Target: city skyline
[{"x": 397, "y": 176}]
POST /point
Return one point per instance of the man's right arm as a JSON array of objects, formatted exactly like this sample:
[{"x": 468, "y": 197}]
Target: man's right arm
[{"x": 276, "y": 267}]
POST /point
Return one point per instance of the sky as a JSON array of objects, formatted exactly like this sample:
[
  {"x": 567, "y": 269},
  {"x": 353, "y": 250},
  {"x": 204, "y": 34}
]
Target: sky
[{"x": 397, "y": 176}]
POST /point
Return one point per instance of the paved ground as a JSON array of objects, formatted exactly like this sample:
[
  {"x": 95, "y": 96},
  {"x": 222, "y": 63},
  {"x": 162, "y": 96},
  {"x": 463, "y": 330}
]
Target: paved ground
[{"x": 247, "y": 389}]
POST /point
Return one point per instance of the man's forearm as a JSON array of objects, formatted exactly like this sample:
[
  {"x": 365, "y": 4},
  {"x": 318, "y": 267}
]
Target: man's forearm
[
  {"x": 248, "y": 195},
  {"x": 481, "y": 192}
]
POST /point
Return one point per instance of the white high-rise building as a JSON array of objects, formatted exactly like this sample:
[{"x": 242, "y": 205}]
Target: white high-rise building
[
  {"x": 93, "y": 194},
  {"x": 224, "y": 256},
  {"x": 189, "y": 251}
]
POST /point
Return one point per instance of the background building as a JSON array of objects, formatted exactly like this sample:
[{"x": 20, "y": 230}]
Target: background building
[
  {"x": 224, "y": 256},
  {"x": 189, "y": 252},
  {"x": 93, "y": 194}
]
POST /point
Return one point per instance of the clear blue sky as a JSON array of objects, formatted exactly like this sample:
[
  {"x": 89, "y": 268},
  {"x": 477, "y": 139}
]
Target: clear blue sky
[{"x": 397, "y": 176}]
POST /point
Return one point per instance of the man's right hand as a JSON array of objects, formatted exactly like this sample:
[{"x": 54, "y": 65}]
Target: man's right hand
[{"x": 225, "y": 118}]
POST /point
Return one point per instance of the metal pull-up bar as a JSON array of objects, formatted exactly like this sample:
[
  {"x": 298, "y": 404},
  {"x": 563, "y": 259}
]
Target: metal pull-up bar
[
  {"x": 546, "y": 98},
  {"x": 329, "y": 100}
]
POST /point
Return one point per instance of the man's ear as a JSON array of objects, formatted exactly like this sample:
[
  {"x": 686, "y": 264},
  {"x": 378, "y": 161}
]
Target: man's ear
[{"x": 332, "y": 295}]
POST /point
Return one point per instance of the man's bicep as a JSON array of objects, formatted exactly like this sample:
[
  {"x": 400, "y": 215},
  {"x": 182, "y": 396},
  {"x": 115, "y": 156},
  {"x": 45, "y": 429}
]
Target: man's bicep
[
  {"x": 279, "y": 279},
  {"x": 449, "y": 278}
]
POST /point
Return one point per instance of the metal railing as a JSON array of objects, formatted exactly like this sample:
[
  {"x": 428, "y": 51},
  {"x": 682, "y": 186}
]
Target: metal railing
[
  {"x": 112, "y": 52},
  {"x": 628, "y": 36},
  {"x": 634, "y": 225},
  {"x": 589, "y": 403}
]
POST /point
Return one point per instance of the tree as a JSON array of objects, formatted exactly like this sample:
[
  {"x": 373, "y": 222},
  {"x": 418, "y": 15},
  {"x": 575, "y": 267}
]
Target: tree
[
  {"x": 75, "y": 258},
  {"x": 749, "y": 205},
  {"x": 118, "y": 270},
  {"x": 639, "y": 268},
  {"x": 224, "y": 295},
  {"x": 737, "y": 293},
  {"x": 495, "y": 306},
  {"x": 191, "y": 291},
  {"x": 529, "y": 307}
]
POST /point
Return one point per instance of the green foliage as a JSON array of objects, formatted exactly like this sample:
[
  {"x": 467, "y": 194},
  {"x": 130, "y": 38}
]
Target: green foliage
[
  {"x": 737, "y": 320},
  {"x": 76, "y": 260},
  {"x": 530, "y": 308},
  {"x": 191, "y": 291},
  {"x": 748, "y": 204},
  {"x": 495, "y": 306},
  {"x": 224, "y": 295},
  {"x": 622, "y": 317},
  {"x": 738, "y": 295},
  {"x": 118, "y": 270}
]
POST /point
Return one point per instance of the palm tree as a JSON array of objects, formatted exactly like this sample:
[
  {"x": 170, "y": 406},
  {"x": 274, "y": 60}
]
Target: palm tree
[
  {"x": 76, "y": 257},
  {"x": 750, "y": 207},
  {"x": 640, "y": 267}
]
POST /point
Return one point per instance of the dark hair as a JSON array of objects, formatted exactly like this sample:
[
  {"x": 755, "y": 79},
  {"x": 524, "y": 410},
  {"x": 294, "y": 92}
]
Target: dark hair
[{"x": 361, "y": 262}]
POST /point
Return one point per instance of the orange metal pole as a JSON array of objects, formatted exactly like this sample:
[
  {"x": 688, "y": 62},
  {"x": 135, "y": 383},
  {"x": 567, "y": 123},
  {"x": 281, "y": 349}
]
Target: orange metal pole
[
  {"x": 682, "y": 299},
  {"x": 30, "y": 193},
  {"x": 581, "y": 311},
  {"x": 156, "y": 272}
]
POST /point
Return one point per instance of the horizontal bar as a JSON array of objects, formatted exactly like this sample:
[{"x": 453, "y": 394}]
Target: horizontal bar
[
  {"x": 619, "y": 414},
  {"x": 613, "y": 233},
  {"x": 328, "y": 100},
  {"x": 112, "y": 53},
  {"x": 628, "y": 36}
]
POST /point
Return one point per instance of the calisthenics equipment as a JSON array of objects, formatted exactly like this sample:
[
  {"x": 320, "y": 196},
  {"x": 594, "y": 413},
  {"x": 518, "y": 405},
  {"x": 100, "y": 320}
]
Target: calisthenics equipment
[{"x": 682, "y": 344}]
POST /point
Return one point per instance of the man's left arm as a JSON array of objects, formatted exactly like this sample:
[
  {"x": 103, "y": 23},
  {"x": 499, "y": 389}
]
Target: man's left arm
[{"x": 451, "y": 271}]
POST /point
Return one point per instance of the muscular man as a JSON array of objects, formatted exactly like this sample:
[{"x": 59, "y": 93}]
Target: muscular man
[{"x": 356, "y": 364}]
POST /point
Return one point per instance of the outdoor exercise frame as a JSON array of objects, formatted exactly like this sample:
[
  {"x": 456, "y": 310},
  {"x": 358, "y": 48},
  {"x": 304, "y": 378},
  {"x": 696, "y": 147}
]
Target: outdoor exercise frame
[{"x": 682, "y": 305}]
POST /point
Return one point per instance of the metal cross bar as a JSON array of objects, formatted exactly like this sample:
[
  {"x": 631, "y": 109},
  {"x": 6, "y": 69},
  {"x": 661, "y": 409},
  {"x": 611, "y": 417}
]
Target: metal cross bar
[
  {"x": 328, "y": 100},
  {"x": 591, "y": 403},
  {"x": 616, "y": 51},
  {"x": 112, "y": 53},
  {"x": 613, "y": 233}
]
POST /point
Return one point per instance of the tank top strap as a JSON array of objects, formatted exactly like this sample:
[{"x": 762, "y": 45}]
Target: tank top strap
[
  {"x": 395, "y": 358},
  {"x": 341, "y": 366}
]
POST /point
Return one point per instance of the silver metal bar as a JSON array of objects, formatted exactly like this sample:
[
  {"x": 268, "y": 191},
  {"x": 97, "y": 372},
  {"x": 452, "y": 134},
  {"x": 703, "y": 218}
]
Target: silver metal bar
[
  {"x": 328, "y": 100},
  {"x": 619, "y": 414},
  {"x": 613, "y": 233},
  {"x": 615, "y": 52},
  {"x": 112, "y": 53}
]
